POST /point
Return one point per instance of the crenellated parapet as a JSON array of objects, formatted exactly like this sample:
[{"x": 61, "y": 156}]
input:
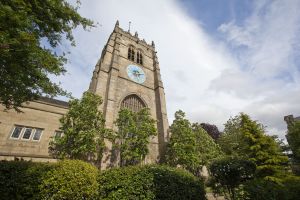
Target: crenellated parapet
[{"x": 134, "y": 37}]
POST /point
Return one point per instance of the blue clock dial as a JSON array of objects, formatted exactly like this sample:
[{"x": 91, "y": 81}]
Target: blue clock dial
[{"x": 136, "y": 74}]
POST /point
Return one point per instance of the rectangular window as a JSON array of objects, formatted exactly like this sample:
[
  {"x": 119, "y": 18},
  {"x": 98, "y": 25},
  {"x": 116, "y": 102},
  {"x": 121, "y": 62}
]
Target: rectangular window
[
  {"x": 37, "y": 134},
  {"x": 16, "y": 132},
  {"x": 58, "y": 134},
  {"x": 27, "y": 133}
]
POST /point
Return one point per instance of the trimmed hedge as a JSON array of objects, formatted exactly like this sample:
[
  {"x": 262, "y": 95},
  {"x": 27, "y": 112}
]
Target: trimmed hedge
[
  {"x": 149, "y": 182},
  {"x": 70, "y": 179},
  {"x": 20, "y": 179},
  {"x": 73, "y": 179}
]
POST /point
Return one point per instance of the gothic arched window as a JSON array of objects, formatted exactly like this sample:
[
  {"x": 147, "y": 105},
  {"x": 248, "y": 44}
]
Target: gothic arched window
[
  {"x": 139, "y": 57},
  {"x": 133, "y": 103},
  {"x": 131, "y": 53}
]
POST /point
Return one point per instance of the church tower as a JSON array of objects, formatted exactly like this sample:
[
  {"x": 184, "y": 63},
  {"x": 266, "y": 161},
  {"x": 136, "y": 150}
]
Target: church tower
[{"x": 128, "y": 75}]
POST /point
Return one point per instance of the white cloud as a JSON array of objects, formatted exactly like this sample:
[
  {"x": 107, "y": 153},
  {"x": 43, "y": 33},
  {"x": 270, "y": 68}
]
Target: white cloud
[
  {"x": 200, "y": 75},
  {"x": 269, "y": 72}
]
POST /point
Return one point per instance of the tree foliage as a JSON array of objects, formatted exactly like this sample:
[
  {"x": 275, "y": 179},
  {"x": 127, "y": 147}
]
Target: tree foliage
[
  {"x": 133, "y": 135},
  {"x": 205, "y": 145},
  {"x": 232, "y": 141},
  {"x": 212, "y": 130},
  {"x": 246, "y": 138},
  {"x": 229, "y": 172},
  {"x": 293, "y": 138},
  {"x": 190, "y": 146},
  {"x": 83, "y": 128},
  {"x": 24, "y": 63},
  {"x": 262, "y": 189}
]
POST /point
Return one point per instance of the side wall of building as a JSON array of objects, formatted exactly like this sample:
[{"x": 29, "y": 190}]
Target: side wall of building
[{"x": 35, "y": 115}]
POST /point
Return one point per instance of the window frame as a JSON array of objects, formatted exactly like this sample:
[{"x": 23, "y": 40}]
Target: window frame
[
  {"x": 139, "y": 57},
  {"x": 22, "y": 132},
  {"x": 131, "y": 53},
  {"x": 56, "y": 134},
  {"x": 12, "y": 132},
  {"x": 35, "y": 130},
  {"x": 25, "y": 128},
  {"x": 133, "y": 102}
]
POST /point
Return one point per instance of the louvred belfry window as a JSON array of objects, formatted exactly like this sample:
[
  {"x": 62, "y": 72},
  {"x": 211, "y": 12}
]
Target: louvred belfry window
[
  {"x": 133, "y": 103},
  {"x": 131, "y": 53},
  {"x": 139, "y": 57}
]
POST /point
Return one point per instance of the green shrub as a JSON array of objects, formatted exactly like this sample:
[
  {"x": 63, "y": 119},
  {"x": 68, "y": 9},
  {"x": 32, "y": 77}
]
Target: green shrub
[
  {"x": 292, "y": 185},
  {"x": 125, "y": 183},
  {"x": 73, "y": 179},
  {"x": 70, "y": 179},
  {"x": 149, "y": 182},
  {"x": 21, "y": 179},
  {"x": 261, "y": 189},
  {"x": 172, "y": 183}
]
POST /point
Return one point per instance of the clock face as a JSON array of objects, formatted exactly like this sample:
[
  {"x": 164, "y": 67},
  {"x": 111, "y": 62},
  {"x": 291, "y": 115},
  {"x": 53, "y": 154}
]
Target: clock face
[{"x": 136, "y": 74}]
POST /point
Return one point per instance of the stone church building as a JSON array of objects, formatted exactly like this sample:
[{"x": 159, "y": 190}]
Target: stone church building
[{"x": 126, "y": 75}]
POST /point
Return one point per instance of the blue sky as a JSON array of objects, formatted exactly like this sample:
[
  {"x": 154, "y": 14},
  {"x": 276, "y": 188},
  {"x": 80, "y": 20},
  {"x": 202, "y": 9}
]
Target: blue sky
[
  {"x": 213, "y": 13},
  {"x": 217, "y": 57}
]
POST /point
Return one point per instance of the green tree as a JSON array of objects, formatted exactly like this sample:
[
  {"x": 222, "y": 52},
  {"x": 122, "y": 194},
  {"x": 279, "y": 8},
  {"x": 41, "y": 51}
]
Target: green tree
[
  {"x": 246, "y": 138},
  {"x": 205, "y": 145},
  {"x": 228, "y": 173},
  {"x": 25, "y": 26},
  {"x": 133, "y": 135},
  {"x": 232, "y": 141},
  {"x": 190, "y": 146},
  {"x": 83, "y": 128},
  {"x": 293, "y": 138}
]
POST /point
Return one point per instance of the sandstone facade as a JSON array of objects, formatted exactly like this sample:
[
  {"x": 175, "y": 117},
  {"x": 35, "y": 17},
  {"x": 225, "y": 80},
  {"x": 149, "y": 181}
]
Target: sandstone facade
[
  {"x": 112, "y": 81},
  {"x": 41, "y": 115}
]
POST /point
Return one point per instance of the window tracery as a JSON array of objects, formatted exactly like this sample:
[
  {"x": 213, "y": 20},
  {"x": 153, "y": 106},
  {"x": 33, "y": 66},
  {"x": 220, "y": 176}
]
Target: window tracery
[{"x": 133, "y": 103}]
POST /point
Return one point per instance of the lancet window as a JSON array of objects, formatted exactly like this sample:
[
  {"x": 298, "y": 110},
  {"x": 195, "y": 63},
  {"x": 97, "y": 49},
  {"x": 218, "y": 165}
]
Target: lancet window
[
  {"x": 131, "y": 53},
  {"x": 139, "y": 57}
]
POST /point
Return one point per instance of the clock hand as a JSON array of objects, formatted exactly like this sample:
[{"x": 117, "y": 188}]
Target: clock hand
[{"x": 139, "y": 74}]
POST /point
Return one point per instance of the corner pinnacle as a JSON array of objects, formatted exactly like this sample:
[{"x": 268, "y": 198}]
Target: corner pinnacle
[{"x": 117, "y": 23}]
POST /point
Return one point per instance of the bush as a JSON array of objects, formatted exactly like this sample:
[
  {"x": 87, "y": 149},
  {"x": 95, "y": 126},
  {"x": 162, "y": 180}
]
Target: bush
[
  {"x": 292, "y": 184},
  {"x": 73, "y": 179},
  {"x": 70, "y": 179},
  {"x": 149, "y": 182},
  {"x": 172, "y": 183},
  {"x": 21, "y": 179},
  {"x": 125, "y": 183},
  {"x": 262, "y": 189}
]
